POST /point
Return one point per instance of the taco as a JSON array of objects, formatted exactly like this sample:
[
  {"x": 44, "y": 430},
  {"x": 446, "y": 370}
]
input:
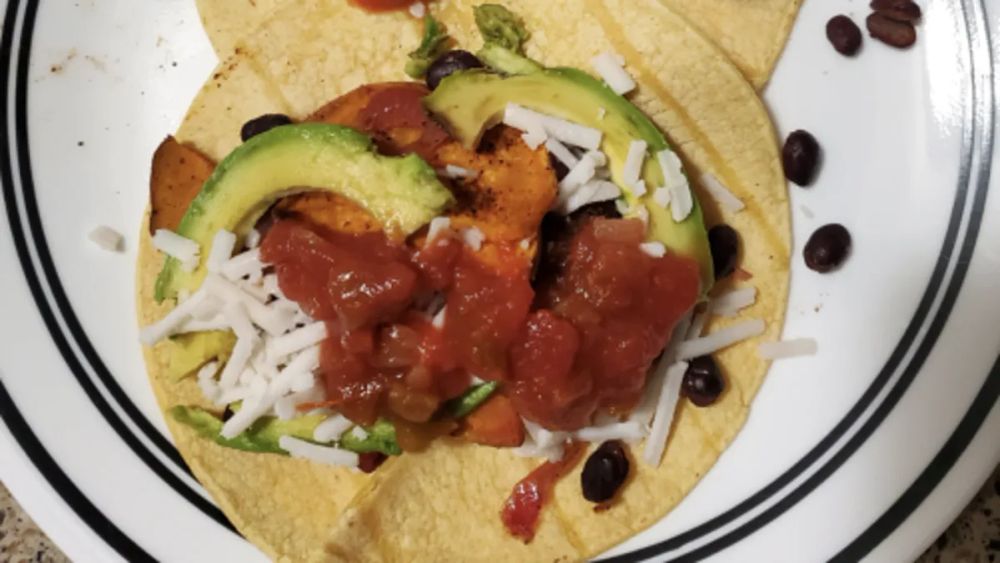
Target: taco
[{"x": 382, "y": 314}]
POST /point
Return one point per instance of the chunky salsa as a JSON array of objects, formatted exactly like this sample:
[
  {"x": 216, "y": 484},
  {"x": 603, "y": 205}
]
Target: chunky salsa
[{"x": 580, "y": 343}]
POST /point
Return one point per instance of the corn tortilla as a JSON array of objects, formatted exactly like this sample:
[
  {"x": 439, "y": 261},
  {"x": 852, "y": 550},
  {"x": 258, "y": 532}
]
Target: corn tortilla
[
  {"x": 443, "y": 504},
  {"x": 752, "y": 33}
]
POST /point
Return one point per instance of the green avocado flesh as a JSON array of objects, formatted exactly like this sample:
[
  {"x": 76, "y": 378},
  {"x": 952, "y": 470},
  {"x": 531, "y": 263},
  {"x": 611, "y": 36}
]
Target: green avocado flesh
[
  {"x": 402, "y": 193},
  {"x": 189, "y": 352},
  {"x": 470, "y": 102},
  {"x": 264, "y": 435}
]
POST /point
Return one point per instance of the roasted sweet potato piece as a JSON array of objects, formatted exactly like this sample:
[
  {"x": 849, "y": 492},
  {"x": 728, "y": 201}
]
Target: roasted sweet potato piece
[
  {"x": 495, "y": 423},
  {"x": 177, "y": 176},
  {"x": 327, "y": 212},
  {"x": 515, "y": 185}
]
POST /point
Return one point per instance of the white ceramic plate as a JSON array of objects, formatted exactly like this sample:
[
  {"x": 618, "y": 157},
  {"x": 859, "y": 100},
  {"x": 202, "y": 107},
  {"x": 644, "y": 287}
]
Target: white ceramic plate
[{"x": 869, "y": 449}]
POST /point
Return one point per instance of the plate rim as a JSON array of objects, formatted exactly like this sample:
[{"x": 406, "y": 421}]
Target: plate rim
[{"x": 980, "y": 41}]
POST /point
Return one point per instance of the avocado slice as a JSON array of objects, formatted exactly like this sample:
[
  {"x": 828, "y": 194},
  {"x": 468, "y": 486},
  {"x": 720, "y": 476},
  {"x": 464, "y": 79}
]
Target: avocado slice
[
  {"x": 469, "y": 102},
  {"x": 189, "y": 352},
  {"x": 264, "y": 435},
  {"x": 402, "y": 193}
]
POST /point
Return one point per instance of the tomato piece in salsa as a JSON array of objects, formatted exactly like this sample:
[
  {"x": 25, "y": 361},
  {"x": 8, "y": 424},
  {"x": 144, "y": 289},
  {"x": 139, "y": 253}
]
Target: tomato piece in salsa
[
  {"x": 485, "y": 312},
  {"x": 622, "y": 304},
  {"x": 355, "y": 279}
]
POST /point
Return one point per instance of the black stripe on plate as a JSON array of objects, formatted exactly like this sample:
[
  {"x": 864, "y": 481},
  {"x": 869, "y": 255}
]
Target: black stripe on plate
[
  {"x": 38, "y": 294},
  {"x": 982, "y": 405},
  {"x": 12, "y": 418},
  {"x": 861, "y": 406},
  {"x": 63, "y": 305},
  {"x": 981, "y": 106},
  {"x": 929, "y": 479}
]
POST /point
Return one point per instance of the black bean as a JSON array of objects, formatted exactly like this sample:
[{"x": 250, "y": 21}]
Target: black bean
[
  {"x": 844, "y": 35},
  {"x": 899, "y": 34},
  {"x": 725, "y": 244},
  {"x": 703, "y": 382},
  {"x": 899, "y": 10},
  {"x": 605, "y": 472},
  {"x": 827, "y": 248},
  {"x": 262, "y": 124},
  {"x": 800, "y": 157},
  {"x": 450, "y": 63}
]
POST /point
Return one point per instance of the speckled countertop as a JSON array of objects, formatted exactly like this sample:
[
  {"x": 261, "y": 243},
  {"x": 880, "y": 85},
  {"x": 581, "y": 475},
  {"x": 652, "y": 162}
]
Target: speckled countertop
[{"x": 973, "y": 538}]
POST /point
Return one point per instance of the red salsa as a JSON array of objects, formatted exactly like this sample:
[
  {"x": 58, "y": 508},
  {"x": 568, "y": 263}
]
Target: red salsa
[
  {"x": 599, "y": 326},
  {"x": 523, "y": 507},
  {"x": 585, "y": 347}
]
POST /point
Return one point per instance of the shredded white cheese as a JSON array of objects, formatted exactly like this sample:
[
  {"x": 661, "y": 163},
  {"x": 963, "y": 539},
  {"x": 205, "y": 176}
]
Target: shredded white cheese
[
  {"x": 787, "y": 349},
  {"x": 661, "y": 197},
  {"x": 206, "y": 380},
  {"x": 527, "y": 120},
  {"x": 439, "y": 226},
  {"x": 628, "y": 431},
  {"x": 636, "y": 157},
  {"x": 562, "y": 154},
  {"x": 611, "y": 68},
  {"x": 243, "y": 265},
  {"x": 223, "y": 244},
  {"x": 582, "y": 173},
  {"x": 296, "y": 341},
  {"x": 698, "y": 325},
  {"x": 173, "y": 320},
  {"x": 654, "y": 249},
  {"x": 720, "y": 339},
  {"x": 287, "y": 407},
  {"x": 438, "y": 320},
  {"x": 681, "y": 203},
  {"x": 726, "y": 199},
  {"x": 253, "y": 238},
  {"x": 731, "y": 303},
  {"x": 331, "y": 429},
  {"x": 664, "y": 416},
  {"x": 473, "y": 238},
  {"x": 320, "y": 454},
  {"x": 606, "y": 191},
  {"x": 535, "y": 137},
  {"x": 460, "y": 173},
  {"x": 672, "y": 169},
  {"x": 107, "y": 238},
  {"x": 174, "y": 245}
]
